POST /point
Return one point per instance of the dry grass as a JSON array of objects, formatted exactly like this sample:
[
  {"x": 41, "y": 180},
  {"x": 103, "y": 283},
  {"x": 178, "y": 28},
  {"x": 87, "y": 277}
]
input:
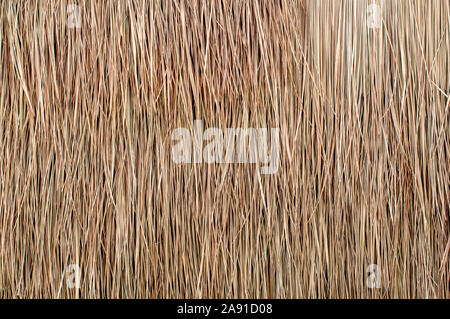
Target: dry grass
[{"x": 86, "y": 117}]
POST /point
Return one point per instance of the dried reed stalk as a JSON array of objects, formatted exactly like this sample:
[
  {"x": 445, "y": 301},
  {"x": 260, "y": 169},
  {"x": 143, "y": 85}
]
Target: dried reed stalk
[{"x": 86, "y": 176}]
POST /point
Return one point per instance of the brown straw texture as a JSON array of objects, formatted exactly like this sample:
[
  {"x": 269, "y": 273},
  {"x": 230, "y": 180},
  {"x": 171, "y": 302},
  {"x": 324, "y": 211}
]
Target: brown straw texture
[{"x": 87, "y": 178}]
